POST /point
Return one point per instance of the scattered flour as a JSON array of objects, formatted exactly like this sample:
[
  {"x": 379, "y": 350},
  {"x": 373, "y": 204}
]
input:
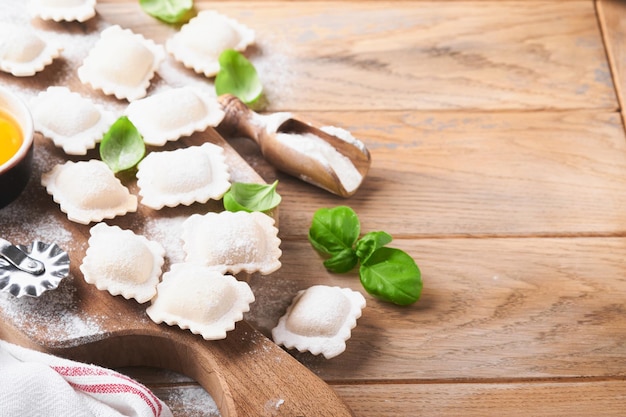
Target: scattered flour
[
  {"x": 272, "y": 406},
  {"x": 34, "y": 226},
  {"x": 167, "y": 231},
  {"x": 53, "y": 317},
  {"x": 194, "y": 401},
  {"x": 172, "y": 74}
]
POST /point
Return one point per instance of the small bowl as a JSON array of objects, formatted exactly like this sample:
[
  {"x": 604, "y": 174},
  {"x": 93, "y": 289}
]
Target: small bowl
[{"x": 15, "y": 173}]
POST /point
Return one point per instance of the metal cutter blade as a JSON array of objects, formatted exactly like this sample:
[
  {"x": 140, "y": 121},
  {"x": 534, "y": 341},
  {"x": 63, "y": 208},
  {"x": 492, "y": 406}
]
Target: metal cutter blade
[{"x": 31, "y": 270}]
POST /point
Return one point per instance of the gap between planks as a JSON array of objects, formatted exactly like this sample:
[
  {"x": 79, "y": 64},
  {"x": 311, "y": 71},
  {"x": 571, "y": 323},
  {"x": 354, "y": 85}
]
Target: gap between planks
[
  {"x": 603, "y": 28},
  {"x": 478, "y": 381},
  {"x": 529, "y": 235}
]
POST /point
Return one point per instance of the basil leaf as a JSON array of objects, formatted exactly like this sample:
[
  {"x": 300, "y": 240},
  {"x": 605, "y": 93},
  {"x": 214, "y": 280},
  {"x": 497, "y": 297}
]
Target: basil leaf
[
  {"x": 342, "y": 262},
  {"x": 251, "y": 197},
  {"x": 392, "y": 275},
  {"x": 122, "y": 147},
  {"x": 237, "y": 76},
  {"x": 370, "y": 243},
  {"x": 334, "y": 230},
  {"x": 169, "y": 11}
]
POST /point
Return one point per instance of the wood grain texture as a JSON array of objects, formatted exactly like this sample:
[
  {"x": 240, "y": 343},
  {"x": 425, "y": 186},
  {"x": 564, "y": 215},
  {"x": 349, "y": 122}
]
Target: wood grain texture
[
  {"x": 417, "y": 55},
  {"x": 580, "y": 398},
  {"x": 474, "y": 174},
  {"x": 491, "y": 308},
  {"x": 576, "y": 399}
]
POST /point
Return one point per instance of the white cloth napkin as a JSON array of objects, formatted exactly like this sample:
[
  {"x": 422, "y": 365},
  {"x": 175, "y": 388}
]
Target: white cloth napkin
[{"x": 34, "y": 384}]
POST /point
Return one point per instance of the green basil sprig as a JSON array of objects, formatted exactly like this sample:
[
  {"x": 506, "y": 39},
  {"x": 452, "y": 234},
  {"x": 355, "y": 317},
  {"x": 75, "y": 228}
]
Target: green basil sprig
[
  {"x": 386, "y": 273},
  {"x": 169, "y": 11},
  {"x": 122, "y": 147},
  {"x": 237, "y": 76},
  {"x": 251, "y": 197}
]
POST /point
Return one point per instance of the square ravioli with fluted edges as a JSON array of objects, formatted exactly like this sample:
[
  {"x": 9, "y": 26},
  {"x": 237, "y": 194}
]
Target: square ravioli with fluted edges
[
  {"x": 63, "y": 10},
  {"x": 174, "y": 113},
  {"x": 73, "y": 122},
  {"x": 233, "y": 241},
  {"x": 121, "y": 63},
  {"x": 122, "y": 262},
  {"x": 88, "y": 191},
  {"x": 183, "y": 176},
  {"x": 23, "y": 52},
  {"x": 200, "y": 299},
  {"x": 200, "y": 42},
  {"x": 320, "y": 319}
]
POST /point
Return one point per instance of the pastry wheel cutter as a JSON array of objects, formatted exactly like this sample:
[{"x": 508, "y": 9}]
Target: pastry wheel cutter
[{"x": 31, "y": 270}]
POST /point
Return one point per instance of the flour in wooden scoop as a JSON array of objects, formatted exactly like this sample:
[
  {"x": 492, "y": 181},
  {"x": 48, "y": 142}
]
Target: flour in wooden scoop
[{"x": 312, "y": 146}]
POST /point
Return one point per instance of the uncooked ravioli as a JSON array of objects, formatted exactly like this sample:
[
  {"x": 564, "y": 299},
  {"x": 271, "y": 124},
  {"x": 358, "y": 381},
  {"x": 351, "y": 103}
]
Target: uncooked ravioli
[
  {"x": 88, "y": 191},
  {"x": 172, "y": 114},
  {"x": 23, "y": 52},
  {"x": 233, "y": 241},
  {"x": 121, "y": 63},
  {"x": 200, "y": 42},
  {"x": 200, "y": 299},
  {"x": 183, "y": 176},
  {"x": 63, "y": 10},
  {"x": 122, "y": 263},
  {"x": 71, "y": 121},
  {"x": 320, "y": 319}
]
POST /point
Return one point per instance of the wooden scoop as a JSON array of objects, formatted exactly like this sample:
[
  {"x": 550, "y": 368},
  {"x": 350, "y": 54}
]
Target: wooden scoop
[{"x": 288, "y": 144}]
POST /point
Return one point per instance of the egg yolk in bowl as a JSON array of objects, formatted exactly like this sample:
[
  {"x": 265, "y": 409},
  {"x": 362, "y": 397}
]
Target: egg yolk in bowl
[{"x": 10, "y": 137}]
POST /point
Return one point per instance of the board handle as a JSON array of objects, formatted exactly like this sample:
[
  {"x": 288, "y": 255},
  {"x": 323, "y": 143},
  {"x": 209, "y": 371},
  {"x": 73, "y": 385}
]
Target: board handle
[{"x": 246, "y": 373}]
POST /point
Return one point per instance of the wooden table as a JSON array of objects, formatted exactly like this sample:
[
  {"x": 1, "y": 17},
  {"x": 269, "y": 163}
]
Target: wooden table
[{"x": 499, "y": 164}]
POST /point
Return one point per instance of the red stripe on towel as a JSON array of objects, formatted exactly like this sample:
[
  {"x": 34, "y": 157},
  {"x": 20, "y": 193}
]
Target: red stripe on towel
[{"x": 133, "y": 387}]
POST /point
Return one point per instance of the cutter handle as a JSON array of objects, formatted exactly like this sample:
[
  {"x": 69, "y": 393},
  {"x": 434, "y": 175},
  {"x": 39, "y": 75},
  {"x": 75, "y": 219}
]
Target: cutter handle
[{"x": 19, "y": 259}]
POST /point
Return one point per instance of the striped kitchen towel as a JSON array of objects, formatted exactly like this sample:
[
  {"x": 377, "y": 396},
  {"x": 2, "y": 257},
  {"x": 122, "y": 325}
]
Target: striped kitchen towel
[{"x": 36, "y": 384}]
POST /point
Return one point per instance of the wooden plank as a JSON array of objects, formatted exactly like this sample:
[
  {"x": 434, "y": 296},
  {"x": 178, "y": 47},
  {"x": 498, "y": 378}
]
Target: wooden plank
[
  {"x": 584, "y": 397},
  {"x": 416, "y": 55},
  {"x": 443, "y": 174},
  {"x": 549, "y": 399},
  {"x": 490, "y": 309}
]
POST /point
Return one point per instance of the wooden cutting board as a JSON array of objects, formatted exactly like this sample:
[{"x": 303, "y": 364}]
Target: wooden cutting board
[{"x": 247, "y": 374}]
